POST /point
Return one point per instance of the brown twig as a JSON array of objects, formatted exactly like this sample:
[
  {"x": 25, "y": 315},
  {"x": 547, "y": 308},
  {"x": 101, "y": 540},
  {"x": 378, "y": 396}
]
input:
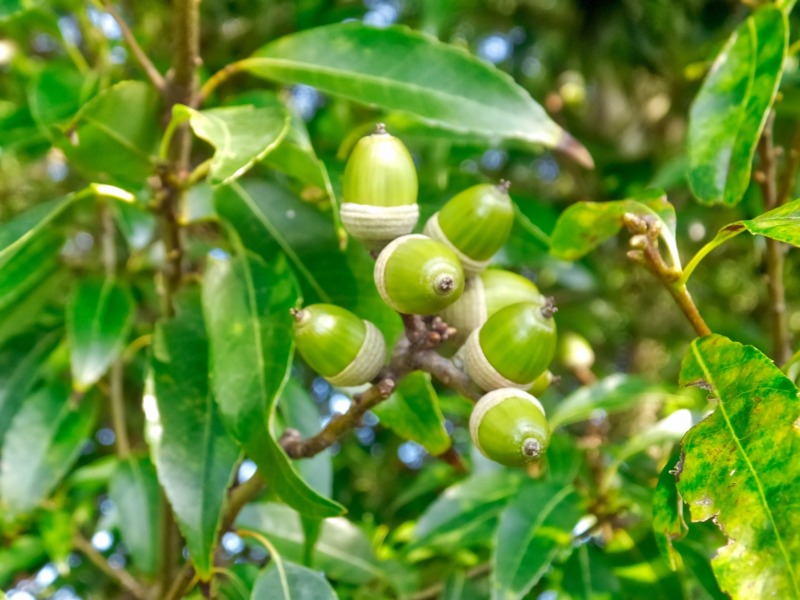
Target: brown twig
[
  {"x": 767, "y": 180},
  {"x": 644, "y": 242},
  {"x": 121, "y": 576},
  {"x": 141, "y": 57}
]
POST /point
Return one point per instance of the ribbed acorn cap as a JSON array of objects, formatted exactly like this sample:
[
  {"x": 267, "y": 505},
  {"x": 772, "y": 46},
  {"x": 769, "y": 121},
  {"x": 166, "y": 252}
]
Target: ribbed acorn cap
[
  {"x": 478, "y": 220},
  {"x": 417, "y": 275},
  {"x": 380, "y": 172},
  {"x": 509, "y": 426}
]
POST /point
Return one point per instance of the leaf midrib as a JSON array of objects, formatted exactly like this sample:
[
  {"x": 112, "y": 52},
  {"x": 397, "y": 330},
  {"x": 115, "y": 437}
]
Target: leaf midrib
[{"x": 710, "y": 379}]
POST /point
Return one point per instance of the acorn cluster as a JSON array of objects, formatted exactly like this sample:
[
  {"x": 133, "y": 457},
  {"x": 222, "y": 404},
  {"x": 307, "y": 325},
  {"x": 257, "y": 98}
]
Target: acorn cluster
[{"x": 505, "y": 333}]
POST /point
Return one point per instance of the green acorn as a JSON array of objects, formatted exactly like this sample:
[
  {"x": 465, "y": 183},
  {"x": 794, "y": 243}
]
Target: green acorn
[
  {"x": 483, "y": 296},
  {"x": 513, "y": 347},
  {"x": 475, "y": 224},
  {"x": 509, "y": 426},
  {"x": 344, "y": 349},
  {"x": 542, "y": 382},
  {"x": 416, "y": 275},
  {"x": 379, "y": 190}
]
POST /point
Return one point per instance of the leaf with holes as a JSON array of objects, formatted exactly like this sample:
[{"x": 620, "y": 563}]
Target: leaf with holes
[{"x": 740, "y": 467}]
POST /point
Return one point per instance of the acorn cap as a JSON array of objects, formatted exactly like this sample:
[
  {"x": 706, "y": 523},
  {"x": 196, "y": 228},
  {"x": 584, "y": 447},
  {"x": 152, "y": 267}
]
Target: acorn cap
[
  {"x": 378, "y": 223},
  {"x": 509, "y": 426},
  {"x": 338, "y": 345},
  {"x": 417, "y": 275},
  {"x": 468, "y": 312},
  {"x": 512, "y": 348},
  {"x": 380, "y": 172},
  {"x": 475, "y": 223}
]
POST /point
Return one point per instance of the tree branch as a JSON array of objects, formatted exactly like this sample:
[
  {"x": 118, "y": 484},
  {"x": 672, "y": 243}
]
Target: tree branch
[
  {"x": 121, "y": 576},
  {"x": 646, "y": 231},
  {"x": 767, "y": 180},
  {"x": 141, "y": 57}
]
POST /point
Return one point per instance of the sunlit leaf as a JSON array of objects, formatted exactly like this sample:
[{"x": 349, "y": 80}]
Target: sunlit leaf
[
  {"x": 137, "y": 498},
  {"x": 286, "y": 580},
  {"x": 406, "y": 71},
  {"x": 99, "y": 317},
  {"x": 241, "y": 135},
  {"x": 192, "y": 451},
  {"x": 586, "y": 225},
  {"x": 43, "y": 442},
  {"x": 246, "y": 304},
  {"x": 730, "y": 110},
  {"x": 535, "y": 526},
  {"x": 740, "y": 466},
  {"x": 413, "y": 412},
  {"x": 342, "y": 552}
]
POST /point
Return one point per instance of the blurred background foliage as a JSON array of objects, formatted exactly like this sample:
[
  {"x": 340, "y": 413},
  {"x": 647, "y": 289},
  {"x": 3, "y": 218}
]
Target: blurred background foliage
[{"x": 618, "y": 74}]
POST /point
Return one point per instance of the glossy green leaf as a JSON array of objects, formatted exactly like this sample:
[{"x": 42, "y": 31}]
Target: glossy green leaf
[
  {"x": 740, "y": 466},
  {"x": 586, "y": 225},
  {"x": 193, "y": 454},
  {"x": 57, "y": 93},
  {"x": 615, "y": 393},
  {"x": 20, "y": 361},
  {"x": 286, "y": 580},
  {"x": 266, "y": 217},
  {"x": 115, "y": 133},
  {"x": 453, "y": 91},
  {"x": 99, "y": 317},
  {"x": 342, "y": 552},
  {"x": 43, "y": 442},
  {"x": 730, "y": 110},
  {"x": 241, "y": 135},
  {"x": 300, "y": 413},
  {"x": 23, "y": 271},
  {"x": 588, "y": 576},
  {"x": 781, "y": 223},
  {"x": 535, "y": 526},
  {"x": 698, "y": 565},
  {"x": 413, "y": 412},
  {"x": 668, "y": 524},
  {"x": 246, "y": 304},
  {"x": 563, "y": 458},
  {"x": 465, "y": 506},
  {"x": 137, "y": 498}
]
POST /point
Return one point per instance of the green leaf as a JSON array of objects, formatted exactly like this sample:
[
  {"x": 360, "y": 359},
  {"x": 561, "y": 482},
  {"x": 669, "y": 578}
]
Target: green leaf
[
  {"x": 535, "y": 526},
  {"x": 413, "y": 412},
  {"x": 668, "y": 524},
  {"x": 342, "y": 551},
  {"x": 781, "y": 223},
  {"x": 192, "y": 452},
  {"x": 99, "y": 317},
  {"x": 266, "y": 217},
  {"x": 137, "y": 498},
  {"x": 57, "y": 93},
  {"x": 466, "y": 506},
  {"x": 439, "y": 84},
  {"x": 241, "y": 135},
  {"x": 20, "y": 362},
  {"x": 300, "y": 413},
  {"x": 586, "y": 225},
  {"x": 290, "y": 581},
  {"x": 10, "y": 8},
  {"x": 740, "y": 466},
  {"x": 115, "y": 133},
  {"x": 588, "y": 576},
  {"x": 730, "y": 110},
  {"x": 615, "y": 393},
  {"x": 246, "y": 304},
  {"x": 21, "y": 555},
  {"x": 41, "y": 445},
  {"x": 697, "y": 563}
]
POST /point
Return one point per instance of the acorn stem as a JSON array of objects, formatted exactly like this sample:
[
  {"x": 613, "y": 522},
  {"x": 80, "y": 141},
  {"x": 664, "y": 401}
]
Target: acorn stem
[
  {"x": 549, "y": 308},
  {"x": 531, "y": 447}
]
